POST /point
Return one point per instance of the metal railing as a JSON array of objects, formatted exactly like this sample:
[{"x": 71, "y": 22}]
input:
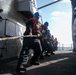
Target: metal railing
[{"x": 65, "y": 47}]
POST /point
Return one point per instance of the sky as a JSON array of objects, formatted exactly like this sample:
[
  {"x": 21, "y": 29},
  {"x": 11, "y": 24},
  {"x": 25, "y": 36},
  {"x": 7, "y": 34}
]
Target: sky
[{"x": 59, "y": 16}]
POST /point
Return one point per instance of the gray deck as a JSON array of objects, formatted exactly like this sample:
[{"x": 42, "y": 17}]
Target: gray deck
[{"x": 63, "y": 63}]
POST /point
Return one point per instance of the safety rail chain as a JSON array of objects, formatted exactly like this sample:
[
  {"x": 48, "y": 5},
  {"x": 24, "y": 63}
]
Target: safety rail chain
[{"x": 18, "y": 37}]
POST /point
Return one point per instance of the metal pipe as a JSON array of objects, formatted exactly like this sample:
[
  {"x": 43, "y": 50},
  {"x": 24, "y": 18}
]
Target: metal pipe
[{"x": 48, "y": 4}]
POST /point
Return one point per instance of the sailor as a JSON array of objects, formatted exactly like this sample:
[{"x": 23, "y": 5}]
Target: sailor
[
  {"x": 74, "y": 24},
  {"x": 43, "y": 30},
  {"x": 47, "y": 37},
  {"x": 31, "y": 42},
  {"x": 74, "y": 30},
  {"x": 56, "y": 43}
]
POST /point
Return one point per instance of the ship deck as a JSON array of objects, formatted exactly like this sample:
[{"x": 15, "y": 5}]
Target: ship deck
[{"x": 62, "y": 63}]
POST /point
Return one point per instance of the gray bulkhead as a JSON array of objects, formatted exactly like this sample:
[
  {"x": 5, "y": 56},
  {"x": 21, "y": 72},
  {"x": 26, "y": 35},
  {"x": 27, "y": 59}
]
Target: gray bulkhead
[
  {"x": 13, "y": 23},
  {"x": 73, "y": 2}
]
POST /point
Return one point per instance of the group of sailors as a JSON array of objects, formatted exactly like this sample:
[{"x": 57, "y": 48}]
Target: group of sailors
[{"x": 44, "y": 44}]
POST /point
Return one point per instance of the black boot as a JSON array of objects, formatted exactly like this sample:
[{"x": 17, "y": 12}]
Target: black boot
[{"x": 18, "y": 70}]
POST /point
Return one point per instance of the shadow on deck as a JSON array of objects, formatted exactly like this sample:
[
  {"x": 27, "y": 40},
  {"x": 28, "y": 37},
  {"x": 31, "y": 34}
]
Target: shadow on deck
[{"x": 63, "y": 63}]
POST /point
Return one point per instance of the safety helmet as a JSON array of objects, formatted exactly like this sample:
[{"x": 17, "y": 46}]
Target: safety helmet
[
  {"x": 46, "y": 23},
  {"x": 48, "y": 31},
  {"x": 36, "y": 14}
]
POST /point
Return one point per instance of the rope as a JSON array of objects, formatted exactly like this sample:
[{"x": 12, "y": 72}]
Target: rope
[{"x": 18, "y": 37}]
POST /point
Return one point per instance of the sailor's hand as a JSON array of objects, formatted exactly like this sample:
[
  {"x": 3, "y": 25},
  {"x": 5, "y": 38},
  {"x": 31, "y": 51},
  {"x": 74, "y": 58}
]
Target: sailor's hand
[
  {"x": 38, "y": 31},
  {"x": 30, "y": 34},
  {"x": 38, "y": 35}
]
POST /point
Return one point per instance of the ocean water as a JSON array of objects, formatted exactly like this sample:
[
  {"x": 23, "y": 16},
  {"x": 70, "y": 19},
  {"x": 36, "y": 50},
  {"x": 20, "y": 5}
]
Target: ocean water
[{"x": 65, "y": 48}]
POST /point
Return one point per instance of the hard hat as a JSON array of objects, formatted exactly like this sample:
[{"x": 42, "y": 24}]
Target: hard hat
[
  {"x": 75, "y": 8},
  {"x": 46, "y": 23},
  {"x": 36, "y": 14},
  {"x": 48, "y": 31}
]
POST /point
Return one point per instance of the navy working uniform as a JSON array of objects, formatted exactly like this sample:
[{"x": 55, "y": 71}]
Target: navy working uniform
[
  {"x": 31, "y": 42},
  {"x": 46, "y": 38}
]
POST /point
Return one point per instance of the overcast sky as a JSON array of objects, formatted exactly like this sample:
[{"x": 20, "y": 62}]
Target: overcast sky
[{"x": 59, "y": 17}]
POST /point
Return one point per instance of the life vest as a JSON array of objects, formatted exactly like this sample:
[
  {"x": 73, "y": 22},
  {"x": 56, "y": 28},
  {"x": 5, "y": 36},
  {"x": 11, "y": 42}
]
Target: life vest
[
  {"x": 43, "y": 27},
  {"x": 43, "y": 30},
  {"x": 34, "y": 26}
]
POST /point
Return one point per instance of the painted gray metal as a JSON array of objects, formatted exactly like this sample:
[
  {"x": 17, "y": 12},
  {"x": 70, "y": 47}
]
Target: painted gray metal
[
  {"x": 27, "y": 5},
  {"x": 73, "y": 2},
  {"x": 13, "y": 24}
]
